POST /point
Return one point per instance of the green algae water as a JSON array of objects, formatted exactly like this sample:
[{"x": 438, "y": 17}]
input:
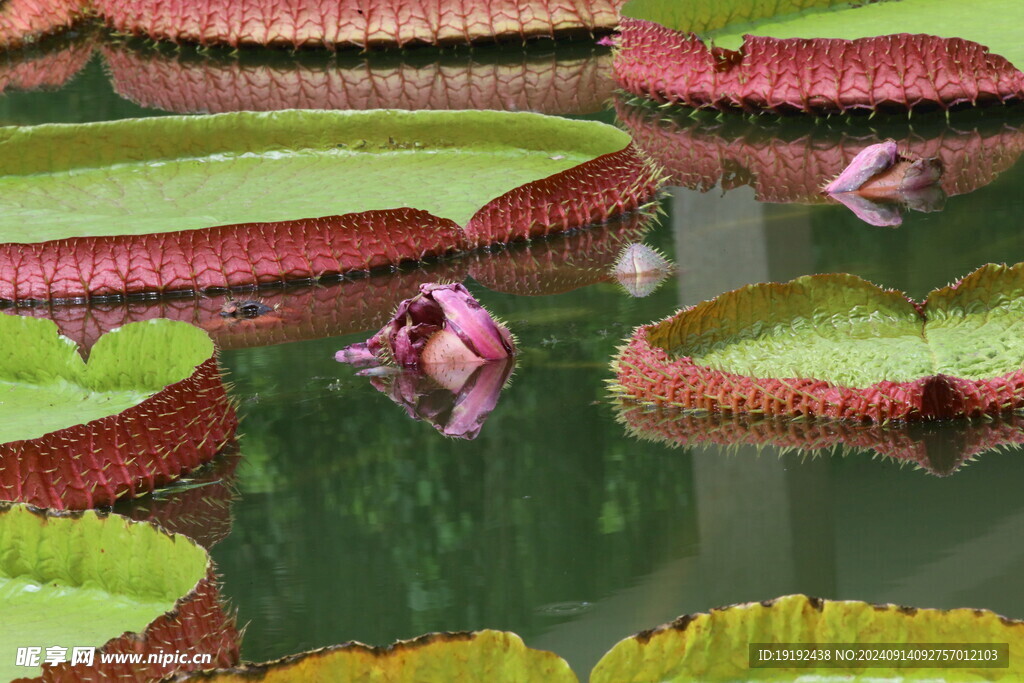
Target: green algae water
[{"x": 572, "y": 523}]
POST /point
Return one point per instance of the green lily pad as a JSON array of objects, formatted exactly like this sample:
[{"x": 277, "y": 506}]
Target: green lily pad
[
  {"x": 83, "y": 580},
  {"x": 838, "y": 346},
  {"x": 45, "y": 385},
  {"x": 715, "y": 646},
  {"x": 993, "y": 23},
  {"x": 183, "y": 173},
  {"x": 148, "y": 406},
  {"x": 492, "y": 656}
]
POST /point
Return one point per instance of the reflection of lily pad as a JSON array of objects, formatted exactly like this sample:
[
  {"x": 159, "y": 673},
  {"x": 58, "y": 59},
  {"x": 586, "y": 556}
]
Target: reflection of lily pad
[
  {"x": 832, "y": 57},
  {"x": 573, "y": 78},
  {"x": 26, "y": 21},
  {"x": 44, "y": 68},
  {"x": 356, "y": 23},
  {"x": 148, "y": 406},
  {"x": 837, "y": 346},
  {"x": 939, "y": 448},
  {"x": 91, "y": 580},
  {"x": 715, "y": 646},
  {"x": 131, "y": 206},
  {"x": 791, "y": 160},
  {"x": 197, "y": 506},
  {"x": 492, "y": 656}
]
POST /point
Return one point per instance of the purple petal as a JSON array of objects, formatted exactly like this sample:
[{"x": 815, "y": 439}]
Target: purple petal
[
  {"x": 467, "y": 318},
  {"x": 868, "y": 163}
]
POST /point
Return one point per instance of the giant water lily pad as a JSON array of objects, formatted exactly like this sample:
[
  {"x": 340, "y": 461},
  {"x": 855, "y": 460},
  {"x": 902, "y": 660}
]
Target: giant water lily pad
[
  {"x": 828, "y": 56},
  {"x": 716, "y": 646},
  {"x": 92, "y": 580},
  {"x": 838, "y": 346},
  {"x": 493, "y": 656},
  {"x": 174, "y": 203},
  {"x": 147, "y": 406},
  {"x": 358, "y": 23}
]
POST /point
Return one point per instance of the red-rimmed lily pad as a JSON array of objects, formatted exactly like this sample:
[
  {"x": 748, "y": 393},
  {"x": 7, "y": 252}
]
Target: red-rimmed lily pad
[
  {"x": 148, "y": 406},
  {"x": 493, "y": 656},
  {"x": 26, "y": 21},
  {"x": 94, "y": 580},
  {"x": 838, "y": 346},
  {"x": 356, "y": 23},
  {"x": 574, "y": 78},
  {"x": 937, "y": 448},
  {"x": 715, "y": 646},
  {"x": 234, "y": 200},
  {"x": 822, "y": 56}
]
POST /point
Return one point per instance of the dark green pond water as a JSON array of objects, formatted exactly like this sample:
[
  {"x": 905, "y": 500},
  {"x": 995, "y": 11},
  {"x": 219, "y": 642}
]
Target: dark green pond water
[{"x": 354, "y": 522}]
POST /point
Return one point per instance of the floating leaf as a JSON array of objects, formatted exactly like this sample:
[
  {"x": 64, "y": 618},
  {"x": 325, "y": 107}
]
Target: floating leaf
[
  {"x": 574, "y": 78},
  {"x": 129, "y": 206},
  {"x": 840, "y": 347},
  {"x": 494, "y": 656},
  {"x": 359, "y": 23},
  {"x": 96, "y": 580},
  {"x": 834, "y": 57},
  {"x": 26, "y": 21},
  {"x": 715, "y": 646},
  {"x": 148, "y": 406},
  {"x": 938, "y": 448}
]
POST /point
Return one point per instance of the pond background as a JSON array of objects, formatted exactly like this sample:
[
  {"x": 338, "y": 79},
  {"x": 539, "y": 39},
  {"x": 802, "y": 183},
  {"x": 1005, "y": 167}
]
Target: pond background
[{"x": 355, "y": 523}]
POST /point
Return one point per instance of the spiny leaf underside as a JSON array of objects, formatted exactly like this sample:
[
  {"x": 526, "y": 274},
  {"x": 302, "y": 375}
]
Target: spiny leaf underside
[
  {"x": 815, "y": 76},
  {"x": 358, "y": 23},
  {"x": 25, "y": 21},
  {"x": 144, "y": 447},
  {"x": 51, "y": 69}
]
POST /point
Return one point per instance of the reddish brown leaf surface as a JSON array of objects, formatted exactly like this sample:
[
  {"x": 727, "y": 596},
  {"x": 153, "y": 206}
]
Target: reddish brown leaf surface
[
  {"x": 26, "y": 21},
  {"x": 939, "y": 452},
  {"x": 559, "y": 82},
  {"x": 792, "y": 164},
  {"x": 894, "y": 72},
  {"x": 144, "y": 447},
  {"x": 357, "y": 23}
]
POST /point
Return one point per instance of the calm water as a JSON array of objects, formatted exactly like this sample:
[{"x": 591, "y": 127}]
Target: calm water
[{"x": 354, "y": 522}]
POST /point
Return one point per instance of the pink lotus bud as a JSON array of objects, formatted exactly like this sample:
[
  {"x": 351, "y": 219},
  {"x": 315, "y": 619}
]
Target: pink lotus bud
[
  {"x": 640, "y": 269},
  {"x": 442, "y": 324}
]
